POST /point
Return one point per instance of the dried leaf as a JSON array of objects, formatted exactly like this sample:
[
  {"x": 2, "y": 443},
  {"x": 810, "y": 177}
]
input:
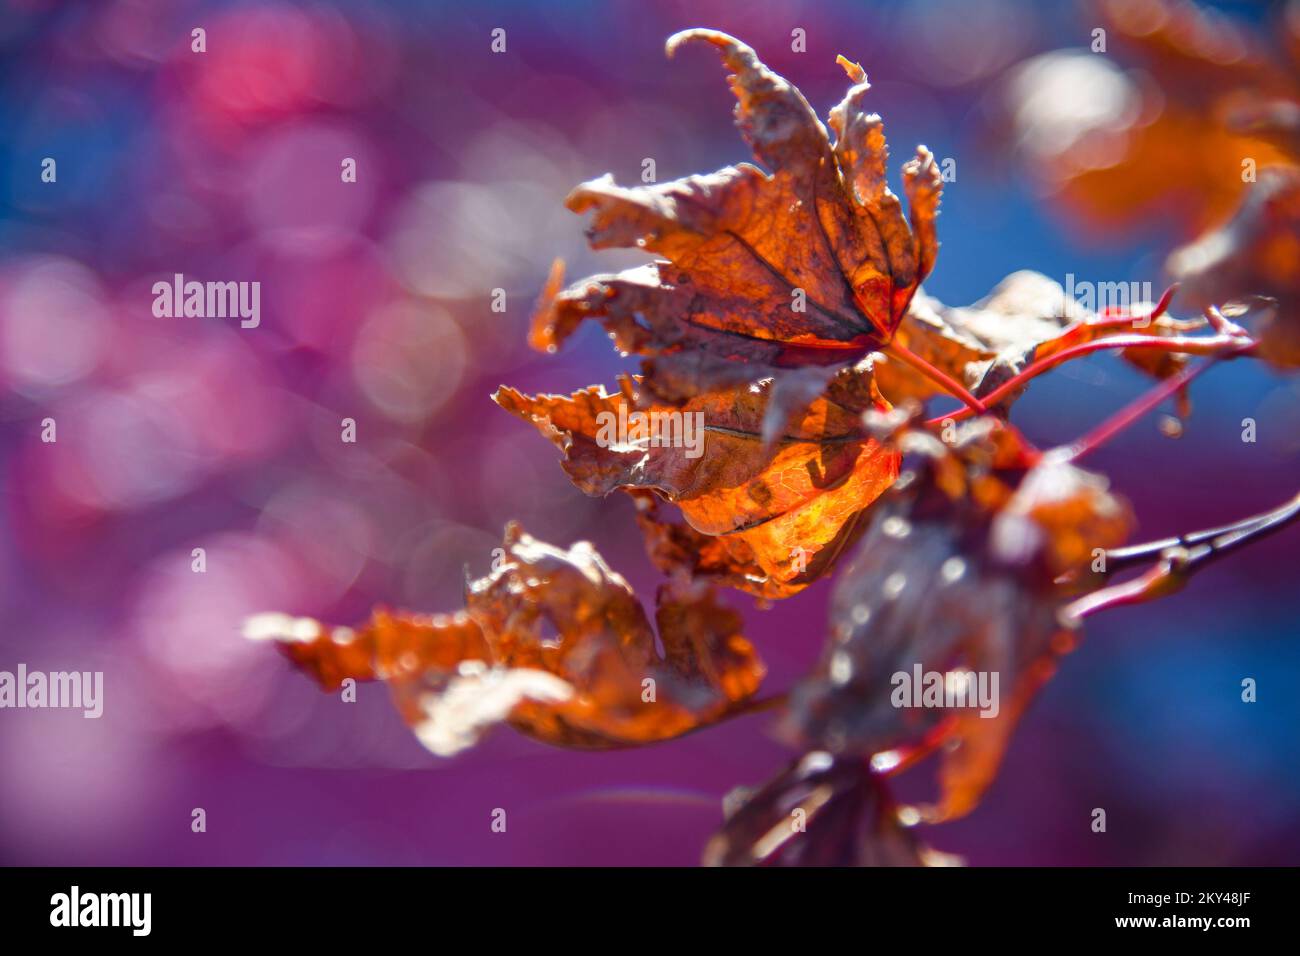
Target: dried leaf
[
  {"x": 812, "y": 265},
  {"x": 788, "y": 504},
  {"x": 678, "y": 550},
  {"x": 553, "y": 642},
  {"x": 391, "y": 647}
]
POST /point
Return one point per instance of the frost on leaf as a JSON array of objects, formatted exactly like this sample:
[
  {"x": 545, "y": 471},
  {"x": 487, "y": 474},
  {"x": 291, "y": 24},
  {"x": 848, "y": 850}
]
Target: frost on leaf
[
  {"x": 554, "y": 643},
  {"x": 956, "y": 573}
]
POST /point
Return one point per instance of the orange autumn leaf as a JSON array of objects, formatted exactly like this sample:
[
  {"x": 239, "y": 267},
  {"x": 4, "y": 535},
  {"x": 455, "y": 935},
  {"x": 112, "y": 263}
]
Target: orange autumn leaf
[
  {"x": 812, "y": 265},
  {"x": 678, "y": 550},
  {"x": 781, "y": 322},
  {"x": 788, "y": 505},
  {"x": 570, "y": 614},
  {"x": 390, "y": 647},
  {"x": 552, "y": 642}
]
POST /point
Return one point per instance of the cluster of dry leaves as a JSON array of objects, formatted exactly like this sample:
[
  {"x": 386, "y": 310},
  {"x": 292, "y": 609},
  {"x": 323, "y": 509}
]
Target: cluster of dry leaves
[{"x": 958, "y": 544}]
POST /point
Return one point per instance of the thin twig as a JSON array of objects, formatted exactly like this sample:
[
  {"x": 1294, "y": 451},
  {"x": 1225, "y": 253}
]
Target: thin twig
[
  {"x": 1119, "y": 558},
  {"x": 1177, "y": 559}
]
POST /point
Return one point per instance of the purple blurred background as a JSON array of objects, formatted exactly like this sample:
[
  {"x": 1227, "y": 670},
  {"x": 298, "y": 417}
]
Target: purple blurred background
[{"x": 182, "y": 433}]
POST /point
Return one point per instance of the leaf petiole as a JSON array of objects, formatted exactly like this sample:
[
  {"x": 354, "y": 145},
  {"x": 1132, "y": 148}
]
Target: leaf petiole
[
  {"x": 937, "y": 376},
  {"x": 1227, "y": 344}
]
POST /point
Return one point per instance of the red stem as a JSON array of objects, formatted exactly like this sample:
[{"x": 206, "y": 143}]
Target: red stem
[
  {"x": 937, "y": 376},
  {"x": 1209, "y": 345},
  {"x": 1158, "y": 310},
  {"x": 1129, "y": 414}
]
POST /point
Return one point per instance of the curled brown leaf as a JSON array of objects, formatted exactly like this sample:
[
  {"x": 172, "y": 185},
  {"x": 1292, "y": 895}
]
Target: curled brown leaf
[
  {"x": 552, "y": 642},
  {"x": 811, "y": 265}
]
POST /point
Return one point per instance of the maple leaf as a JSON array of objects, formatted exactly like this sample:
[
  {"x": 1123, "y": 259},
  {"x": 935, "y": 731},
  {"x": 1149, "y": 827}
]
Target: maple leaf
[
  {"x": 1257, "y": 253},
  {"x": 785, "y": 506},
  {"x": 957, "y": 572},
  {"x": 812, "y": 265},
  {"x": 786, "y": 278},
  {"x": 552, "y": 642},
  {"x": 822, "y": 810}
]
